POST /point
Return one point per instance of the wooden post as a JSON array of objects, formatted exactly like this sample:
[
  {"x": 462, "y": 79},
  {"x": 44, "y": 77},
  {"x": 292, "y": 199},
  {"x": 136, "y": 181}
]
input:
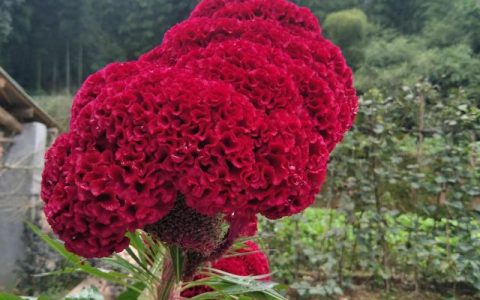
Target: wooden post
[
  {"x": 3, "y": 89},
  {"x": 7, "y": 120},
  {"x": 3, "y": 83}
]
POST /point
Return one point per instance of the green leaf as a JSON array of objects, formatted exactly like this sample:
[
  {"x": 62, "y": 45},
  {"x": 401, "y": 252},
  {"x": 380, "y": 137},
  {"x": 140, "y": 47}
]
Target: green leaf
[
  {"x": 5, "y": 296},
  {"x": 57, "y": 246},
  {"x": 131, "y": 294},
  {"x": 177, "y": 261},
  {"x": 136, "y": 272},
  {"x": 144, "y": 251},
  {"x": 226, "y": 285},
  {"x": 77, "y": 261}
]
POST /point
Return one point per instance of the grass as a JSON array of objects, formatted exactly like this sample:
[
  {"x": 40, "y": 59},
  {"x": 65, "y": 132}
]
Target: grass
[{"x": 57, "y": 106}]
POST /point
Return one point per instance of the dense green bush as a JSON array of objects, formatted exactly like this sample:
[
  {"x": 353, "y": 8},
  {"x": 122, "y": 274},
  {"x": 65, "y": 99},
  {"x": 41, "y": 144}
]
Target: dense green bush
[
  {"x": 348, "y": 29},
  {"x": 390, "y": 64},
  {"x": 399, "y": 200},
  {"x": 453, "y": 22},
  {"x": 322, "y": 251}
]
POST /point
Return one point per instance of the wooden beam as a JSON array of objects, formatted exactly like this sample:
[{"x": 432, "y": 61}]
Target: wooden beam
[
  {"x": 23, "y": 114},
  {"x": 3, "y": 83},
  {"x": 19, "y": 96},
  {"x": 5, "y": 140},
  {"x": 4, "y": 94},
  {"x": 3, "y": 89},
  {"x": 9, "y": 121}
]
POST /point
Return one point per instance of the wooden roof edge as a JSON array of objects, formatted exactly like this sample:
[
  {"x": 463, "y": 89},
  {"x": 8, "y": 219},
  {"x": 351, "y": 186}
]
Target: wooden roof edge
[{"x": 25, "y": 99}]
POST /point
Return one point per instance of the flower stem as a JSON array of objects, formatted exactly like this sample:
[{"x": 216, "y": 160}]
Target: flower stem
[{"x": 170, "y": 284}]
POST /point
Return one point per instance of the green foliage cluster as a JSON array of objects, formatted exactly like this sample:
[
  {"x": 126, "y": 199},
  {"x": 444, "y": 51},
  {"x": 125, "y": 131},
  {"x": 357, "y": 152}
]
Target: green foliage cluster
[
  {"x": 453, "y": 22},
  {"x": 348, "y": 29},
  {"x": 52, "y": 45},
  {"x": 401, "y": 193},
  {"x": 392, "y": 63},
  {"x": 324, "y": 251},
  {"x": 404, "y": 184}
]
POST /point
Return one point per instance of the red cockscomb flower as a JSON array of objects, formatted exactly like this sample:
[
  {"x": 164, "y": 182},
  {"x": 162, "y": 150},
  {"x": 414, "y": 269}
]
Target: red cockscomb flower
[{"x": 235, "y": 114}]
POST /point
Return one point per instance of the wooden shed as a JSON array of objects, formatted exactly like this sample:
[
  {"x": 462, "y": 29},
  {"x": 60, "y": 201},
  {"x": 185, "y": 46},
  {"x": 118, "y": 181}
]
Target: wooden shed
[{"x": 17, "y": 107}]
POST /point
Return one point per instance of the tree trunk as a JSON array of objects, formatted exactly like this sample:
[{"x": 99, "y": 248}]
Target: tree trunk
[
  {"x": 67, "y": 68},
  {"x": 80, "y": 66},
  {"x": 55, "y": 74},
  {"x": 38, "y": 77}
]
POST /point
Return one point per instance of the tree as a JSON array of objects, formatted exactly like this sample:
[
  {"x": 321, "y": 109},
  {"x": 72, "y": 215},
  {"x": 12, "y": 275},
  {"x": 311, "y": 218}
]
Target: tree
[
  {"x": 137, "y": 26},
  {"x": 6, "y": 7},
  {"x": 325, "y": 7},
  {"x": 406, "y": 16},
  {"x": 348, "y": 29},
  {"x": 452, "y": 22}
]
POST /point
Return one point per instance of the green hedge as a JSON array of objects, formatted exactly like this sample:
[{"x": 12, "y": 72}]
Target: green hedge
[{"x": 322, "y": 251}]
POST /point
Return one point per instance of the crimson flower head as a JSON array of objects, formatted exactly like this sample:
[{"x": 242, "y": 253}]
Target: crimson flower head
[{"x": 234, "y": 114}]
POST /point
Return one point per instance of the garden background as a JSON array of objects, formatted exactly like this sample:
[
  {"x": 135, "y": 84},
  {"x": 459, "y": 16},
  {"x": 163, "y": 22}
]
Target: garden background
[{"x": 399, "y": 216}]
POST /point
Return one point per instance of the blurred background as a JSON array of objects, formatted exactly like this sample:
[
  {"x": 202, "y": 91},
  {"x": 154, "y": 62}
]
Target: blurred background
[{"x": 399, "y": 215}]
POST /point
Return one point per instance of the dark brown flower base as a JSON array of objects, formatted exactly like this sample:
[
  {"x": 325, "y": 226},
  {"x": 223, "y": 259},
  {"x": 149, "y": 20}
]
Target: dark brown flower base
[{"x": 200, "y": 237}]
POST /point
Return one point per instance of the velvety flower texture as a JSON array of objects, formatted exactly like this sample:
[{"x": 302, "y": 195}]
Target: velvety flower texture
[
  {"x": 252, "y": 263},
  {"x": 236, "y": 111}
]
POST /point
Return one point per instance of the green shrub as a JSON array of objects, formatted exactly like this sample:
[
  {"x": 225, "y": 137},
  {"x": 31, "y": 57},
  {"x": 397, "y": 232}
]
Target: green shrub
[
  {"x": 348, "y": 29},
  {"x": 57, "y": 106},
  {"x": 321, "y": 251}
]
